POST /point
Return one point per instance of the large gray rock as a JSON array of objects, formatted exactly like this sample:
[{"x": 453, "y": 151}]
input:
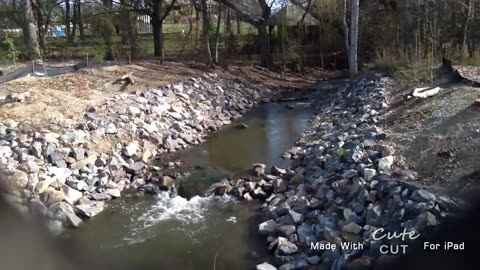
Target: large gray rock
[
  {"x": 286, "y": 247},
  {"x": 268, "y": 228},
  {"x": 71, "y": 195},
  {"x": 298, "y": 264},
  {"x": 64, "y": 213},
  {"x": 424, "y": 196},
  {"x": 385, "y": 164},
  {"x": 12, "y": 181},
  {"x": 265, "y": 266},
  {"x": 90, "y": 208}
]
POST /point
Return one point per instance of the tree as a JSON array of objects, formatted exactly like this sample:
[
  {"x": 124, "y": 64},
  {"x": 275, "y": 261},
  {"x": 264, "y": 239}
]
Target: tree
[
  {"x": 217, "y": 33},
  {"x": 30, "y": 31},
  {"x": 206, "y": 27},
  {"x": 257, "y": 13},
  {"x": 353, "y": 63},
  {"x": 158, "y": 14},
  {"x": 344, "y": 26}
]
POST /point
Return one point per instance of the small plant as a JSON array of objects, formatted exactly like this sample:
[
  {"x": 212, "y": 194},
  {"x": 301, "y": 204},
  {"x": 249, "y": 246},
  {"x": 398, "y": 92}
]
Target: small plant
[
  {"x": 8, "y": 50},
  {"x": 340, "y": 152}
]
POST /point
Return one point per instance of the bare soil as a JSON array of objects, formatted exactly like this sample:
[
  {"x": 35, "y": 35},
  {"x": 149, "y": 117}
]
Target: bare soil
[{"x": 439, "y": 137}]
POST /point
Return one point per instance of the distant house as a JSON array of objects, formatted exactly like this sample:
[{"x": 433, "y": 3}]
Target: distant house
[
  {"x": 296, "y": 22},
  {"x": 291, "y": 15}
]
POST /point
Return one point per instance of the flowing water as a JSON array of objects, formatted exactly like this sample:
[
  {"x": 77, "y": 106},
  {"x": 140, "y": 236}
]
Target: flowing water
[{"x": 197, "y": 233}]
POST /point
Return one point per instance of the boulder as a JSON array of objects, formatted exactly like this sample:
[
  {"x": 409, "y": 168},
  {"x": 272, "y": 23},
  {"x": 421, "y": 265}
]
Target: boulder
[
  {"x": 90, "y": 208},
  {"x": 12, "y": 181},
  {"x": 52, "y": 196},
  {"x": 385, "y": 164},
  {"x": 71, "y": 195},
  {"x": 268, "y": 228},
  {"x": 265, "y": 266},
  {"x": 64, "y": 213}
]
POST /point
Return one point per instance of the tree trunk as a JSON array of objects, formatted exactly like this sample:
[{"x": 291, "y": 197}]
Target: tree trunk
[
  {"x": 30, "y": 31},
  {"x": 157, "y": 25},
  {"x": 404, "y": 27},
  {"x": 353, "y": 65},
  {"x": 239, "y": 26},
  {"x": 67, "y": 19},
  {"x": 343, "y": 23},
  {"x": 80, "y": 20},
  {"x": 466, "y": 30},
  {"x": 228, "y": 23},
  {"x": 74, "y": 22},
  {"x": 265, "y": 55},
  {"x": 217, "y": 34},
  {"x": 206, "y": 26}
]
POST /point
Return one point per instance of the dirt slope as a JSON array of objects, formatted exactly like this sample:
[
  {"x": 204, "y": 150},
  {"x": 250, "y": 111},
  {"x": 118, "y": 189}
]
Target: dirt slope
[{"x": 439, "y": 136}]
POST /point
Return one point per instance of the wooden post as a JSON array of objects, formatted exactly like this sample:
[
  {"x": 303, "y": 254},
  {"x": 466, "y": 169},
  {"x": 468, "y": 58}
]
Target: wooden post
[
  {"x": 129, "y": 59},
  {"x": 33, "y": 68},
  {"x": 87, "y": 59}
]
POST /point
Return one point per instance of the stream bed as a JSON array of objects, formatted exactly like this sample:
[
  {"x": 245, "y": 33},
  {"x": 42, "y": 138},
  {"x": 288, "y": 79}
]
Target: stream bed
[{"x": 194, "y": 232}]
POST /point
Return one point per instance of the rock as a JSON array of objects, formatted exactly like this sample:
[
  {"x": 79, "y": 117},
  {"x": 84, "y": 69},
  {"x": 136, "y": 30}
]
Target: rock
[
  {"x": 352, "y": 228},
  {"x": 29, "y": 167},
  {"x": 296, "y": 180},
  {"x": 268, "y": 228},
  {"x": 297, "y": 264},
  {"x": 286, "y": 230},
  {"x": 51, "y": 196},
  {"x": 134, "y": 111},
  {"x": 374, "y": 215},
  {"x": 91, "y": 208},
  {"x": 421, "y": 195},
  {"x": 64, "y": 213},
  {"x": 242, "y": 126},
  {"x": 166, "y": 183},
  {"x": 385, "y": 164},
  {"x": 113, "y": 192},
  {"x": 12, "y": 181},
  {"x": 286, "y": 247},
  {"x": 110, "y": 128},
  {"x": 280, "y": 185},
  {"x": 277, "y": 171},
  {"x": 131, "y": 149},
  {"x": 37, "y": 208},
  {"x": 368, "y": 174},
  {"x": 259, "y": 169},
  {"x": 71, "y": 195},
  {"x": 75, "y": 137},
  {"x": 5, "y": 151},
  {"x": 265, "y": 266},
  {"x": 296, "y": 217},
  {"x": 313, "y": 260}
]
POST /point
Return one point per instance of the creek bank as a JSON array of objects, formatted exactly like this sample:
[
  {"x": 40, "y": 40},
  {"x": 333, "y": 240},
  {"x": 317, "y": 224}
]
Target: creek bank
[
  {"x": 63, "y": 176},
  {"x": 344, "y": 185}
]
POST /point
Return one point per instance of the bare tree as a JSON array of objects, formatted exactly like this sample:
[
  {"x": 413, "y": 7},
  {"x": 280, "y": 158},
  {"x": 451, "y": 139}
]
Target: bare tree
[
  {"x": 217, "y": 33},
  {"x": 353, "y": 63},
  {"x": 343, "y": 23},
  {"x": 206, "y": 40},
  {"x": 257, "y": 13}
]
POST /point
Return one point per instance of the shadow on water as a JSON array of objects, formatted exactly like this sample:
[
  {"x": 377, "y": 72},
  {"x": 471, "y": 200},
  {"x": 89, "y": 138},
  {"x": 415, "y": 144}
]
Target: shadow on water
[{"x": 166, "y": 232}]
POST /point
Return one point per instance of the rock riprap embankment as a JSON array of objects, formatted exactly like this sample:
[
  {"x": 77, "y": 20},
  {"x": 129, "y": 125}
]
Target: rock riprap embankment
[
  {"x": 345, "y": 184},
  {"x": 63, "y": 176}
]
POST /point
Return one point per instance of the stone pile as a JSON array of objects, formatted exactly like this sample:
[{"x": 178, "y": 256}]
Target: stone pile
[
  {"x": 345, "y": 184},
  {"x": 59, "y": 175}
]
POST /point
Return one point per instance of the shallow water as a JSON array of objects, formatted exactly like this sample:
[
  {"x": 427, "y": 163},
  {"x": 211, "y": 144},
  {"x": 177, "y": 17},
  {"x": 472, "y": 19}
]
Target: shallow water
[{"x": 177, "y": 233}]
